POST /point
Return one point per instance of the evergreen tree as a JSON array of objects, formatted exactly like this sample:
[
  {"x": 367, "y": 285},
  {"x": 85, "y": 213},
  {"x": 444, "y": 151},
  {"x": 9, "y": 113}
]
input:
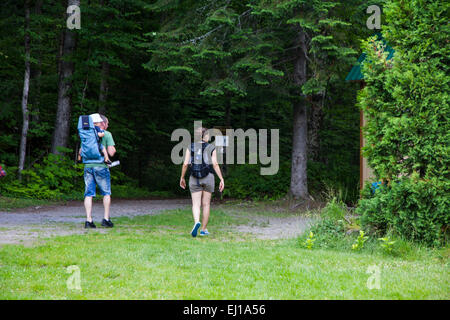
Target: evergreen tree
[{"x": 406, "y": 101}]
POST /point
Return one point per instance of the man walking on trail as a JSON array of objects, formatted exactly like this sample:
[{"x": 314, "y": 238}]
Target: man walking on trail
[{"x": 97, "y": 174}]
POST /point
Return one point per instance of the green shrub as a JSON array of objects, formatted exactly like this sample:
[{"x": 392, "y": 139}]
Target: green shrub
[
  {"x": 387, "y": 244},
  {"x": 359, "y": 242},
  {"x": 406, "y": 103},
  {"x": 245, "y": 181},
  {"x": 329, "y": 231},
  {"x": 58, "y": 178},
  {"x": 161, "y": 176},
  {"x": 54, "y": 178},
  {"x": 334, "y": 210},
  {"x": 309, "y": 242},
  {"x": 413, "y": 208},
  {"x": 128, "y": 191},
  {"x": 334, "y": 180}
]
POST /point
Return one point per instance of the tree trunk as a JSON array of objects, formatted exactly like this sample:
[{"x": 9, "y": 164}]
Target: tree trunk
[
  {"x": 244, "y": 117},
  {"x": 62, "y": 123},
  {"x": 228, "y": 112},
  {"x": 314, "y": 122},
  {"x": 103, "y": 95},
  {"x": 103, "y": 88},
  {"x": 37, "y": 74},
  {"x": 299, "y": 186},
  {"x": 26, "y": 87}
]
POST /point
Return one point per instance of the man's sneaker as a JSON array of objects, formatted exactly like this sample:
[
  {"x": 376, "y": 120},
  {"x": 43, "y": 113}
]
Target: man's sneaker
[
  {"x": 89, "y": 225},
  {"x": 204, "y": 232},
  {"x": 195, "y": 229},
  {"x": 107, "y": 223}
]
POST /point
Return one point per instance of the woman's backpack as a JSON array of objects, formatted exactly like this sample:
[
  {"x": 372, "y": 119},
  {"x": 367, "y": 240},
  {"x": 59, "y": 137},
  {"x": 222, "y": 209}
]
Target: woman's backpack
[{"x": 199, "y": 167}]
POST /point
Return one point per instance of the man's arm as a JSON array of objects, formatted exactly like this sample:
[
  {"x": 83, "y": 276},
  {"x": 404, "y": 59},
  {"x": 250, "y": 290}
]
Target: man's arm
[
  {"x": 111, "y": 150},
  {"x": 108, "y": 141}
]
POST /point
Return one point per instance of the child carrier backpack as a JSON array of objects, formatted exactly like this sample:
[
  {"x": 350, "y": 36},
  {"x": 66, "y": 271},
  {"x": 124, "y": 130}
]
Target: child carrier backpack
[
  {"x": 199, "y": 167},
  {"x": 91, "y": 147}
]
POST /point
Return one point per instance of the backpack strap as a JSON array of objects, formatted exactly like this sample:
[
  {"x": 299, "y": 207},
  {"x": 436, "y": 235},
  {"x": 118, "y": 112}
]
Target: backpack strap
[
  {"x": 192, "y": 159},
  {"x": 98, "y": 141}
]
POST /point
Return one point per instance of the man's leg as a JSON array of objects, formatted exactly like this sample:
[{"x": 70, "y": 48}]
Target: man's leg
[
  {"x": 106, "y": 205},
  {"x": 206, "y": 203},
  {"x": 88, "y": 207},
  {"x": 103, "y": 179},
  {"x": 89, "y": 192}
]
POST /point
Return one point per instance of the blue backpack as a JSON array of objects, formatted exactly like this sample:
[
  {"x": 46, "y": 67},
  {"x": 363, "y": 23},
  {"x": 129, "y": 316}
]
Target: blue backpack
[{"x": 91, "y": 147}]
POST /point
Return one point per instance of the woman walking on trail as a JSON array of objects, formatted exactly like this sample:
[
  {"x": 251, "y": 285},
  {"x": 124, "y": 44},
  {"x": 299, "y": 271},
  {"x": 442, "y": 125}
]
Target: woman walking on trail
[{"x": 201, "y": 180}]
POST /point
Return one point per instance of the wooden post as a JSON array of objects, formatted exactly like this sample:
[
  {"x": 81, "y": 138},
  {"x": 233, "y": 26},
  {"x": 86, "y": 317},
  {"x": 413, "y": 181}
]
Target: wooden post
[
  {"x": 365, "y": 172},
  {"x": 361, "y": 144}
]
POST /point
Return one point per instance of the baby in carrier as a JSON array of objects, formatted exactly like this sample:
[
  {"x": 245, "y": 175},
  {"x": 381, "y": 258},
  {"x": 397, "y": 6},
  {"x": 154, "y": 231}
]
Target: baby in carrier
[{"x": 100, "y": 134}]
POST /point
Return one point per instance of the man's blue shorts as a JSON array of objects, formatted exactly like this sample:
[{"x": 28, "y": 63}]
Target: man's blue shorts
[{"x": 97, "y": 176}]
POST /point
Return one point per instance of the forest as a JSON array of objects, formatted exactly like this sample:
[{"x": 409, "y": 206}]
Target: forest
[{"x": 153, "y": 66}]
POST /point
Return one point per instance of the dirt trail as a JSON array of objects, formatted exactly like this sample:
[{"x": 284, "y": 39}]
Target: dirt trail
[
  {"x": 276, "y": 227},
  {"x": 25, "y": 226}
]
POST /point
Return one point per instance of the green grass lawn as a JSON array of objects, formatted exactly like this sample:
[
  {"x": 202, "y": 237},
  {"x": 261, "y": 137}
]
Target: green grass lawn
[{"x": 154, "y": 257}]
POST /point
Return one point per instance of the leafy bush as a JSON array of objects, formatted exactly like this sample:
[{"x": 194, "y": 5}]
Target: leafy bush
[
  {"x": 334, "y": 180},
  {"x": 244, "y": 181},
  {"x": 161, "y": 176},
  {"x": 58, "y": 178},
  {"x": 387, "y": 244},
  {"x": 309, "y": 242},
  {"x": 334, "y": 210},
  {"x": 329, "y": 234},
  {"x": 406, "y": 102},
  {"x": 128, "y": 192},
  {"x": 359, "y": 242},
  {"x": 329, "y": 231},
  {"x": 414, "y": 208}
]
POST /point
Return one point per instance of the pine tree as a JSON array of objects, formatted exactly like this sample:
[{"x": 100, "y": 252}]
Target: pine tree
[{"x": 228, "y": 48}]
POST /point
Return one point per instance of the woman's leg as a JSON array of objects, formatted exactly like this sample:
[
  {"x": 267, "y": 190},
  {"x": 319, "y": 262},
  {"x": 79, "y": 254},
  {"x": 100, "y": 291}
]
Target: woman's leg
[
  {"x": 206, "y": 201},
  {"x": 196, "y": 202}
]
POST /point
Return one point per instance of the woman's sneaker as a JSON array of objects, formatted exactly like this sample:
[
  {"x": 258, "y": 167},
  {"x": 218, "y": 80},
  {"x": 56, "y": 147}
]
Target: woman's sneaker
[
  {"x": 195, "y": 229},
  {"x": 204, "y": 232}
]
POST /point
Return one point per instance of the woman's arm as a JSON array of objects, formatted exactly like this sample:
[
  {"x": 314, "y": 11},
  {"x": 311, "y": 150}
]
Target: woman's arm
[
  {"x": 217, "y": 170},
  {"x": 187, "y": 160}
]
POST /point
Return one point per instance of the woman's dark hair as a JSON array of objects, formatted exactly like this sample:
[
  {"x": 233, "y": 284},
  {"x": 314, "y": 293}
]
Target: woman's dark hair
[{"x": 201, "y": 130}]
